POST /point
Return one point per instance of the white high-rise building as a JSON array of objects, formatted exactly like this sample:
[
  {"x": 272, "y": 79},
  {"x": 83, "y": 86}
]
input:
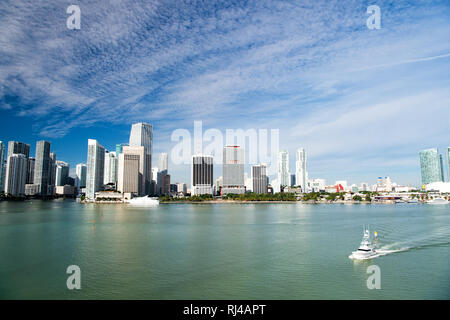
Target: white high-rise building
[
  {"x": 301, "y": 172},
  {"x": 95, "y": 168},
  {"x": 111, "y": 163},
  {"x": 80, "y": 171},
  {"x": 364, "y": 186},
  {"x": 233, "y": 170},
  {"x": 248, "y": 182},
  {"x": 163, "y": 162},
  {"x": 16, "y": 175},
  {"x": 202, "y": 175},
  {"x": 142, "y": 136},
  {"x": 181, "y": 188},
  {"x": 62, "y": 173},
  {"x": 284, "y": 175}
]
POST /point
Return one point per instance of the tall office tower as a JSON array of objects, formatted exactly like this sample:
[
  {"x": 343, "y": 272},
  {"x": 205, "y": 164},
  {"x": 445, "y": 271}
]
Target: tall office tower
[
  {"x": 202, "y": 170},
  {"x": 292, "y": 180},
  {"x": 2, "y": 164},
  {"x": 441, "y": 167},
  {"x": 430, "y": 166},
  {"x": 111, "y": 163},
  {"x": 165, "y": 184},
  {"x": 163, "y": 162},
  {"x": 284, "y": 175},
  {"x": 80, "y": 172},
  {"x": 259, "y": 177},
  {"x": 19, "y": 148},
  {"x": 52, "y": 175},
  {"x": 94, "y": 168},
  {"x": 30, "y": 170},
  {"x": 139, "y": 151},
  {"x": 154, "y": 184},
  {"x": 62, "y": 173},
  {"x": 14, "y": 147},
  {"x": 128, "y": 173},
  {"x": 163, "y": 172},
  {"x": 142, "y": 135},
  {"x": 16, "y": 174},
  {"x": 233, "y": 170},
  {"x": 42, "y": 167},
  {"x": 301, "y": 173}
]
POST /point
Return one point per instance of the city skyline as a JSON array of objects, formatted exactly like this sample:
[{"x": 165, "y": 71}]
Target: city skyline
[{"x": 443, "y": 161}]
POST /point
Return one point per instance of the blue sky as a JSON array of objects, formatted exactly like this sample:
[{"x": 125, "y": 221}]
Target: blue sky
[{"x": 362, "y": 102}]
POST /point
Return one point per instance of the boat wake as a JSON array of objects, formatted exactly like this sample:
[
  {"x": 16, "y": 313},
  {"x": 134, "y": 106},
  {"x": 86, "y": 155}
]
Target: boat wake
[
  {"x": 379, "y": 253},
  {"x": 418, "y": 242}
]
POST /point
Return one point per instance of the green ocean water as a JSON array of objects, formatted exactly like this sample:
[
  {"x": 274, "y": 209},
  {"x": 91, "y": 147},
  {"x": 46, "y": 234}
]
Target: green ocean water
[{"x": 221, "y": 251}]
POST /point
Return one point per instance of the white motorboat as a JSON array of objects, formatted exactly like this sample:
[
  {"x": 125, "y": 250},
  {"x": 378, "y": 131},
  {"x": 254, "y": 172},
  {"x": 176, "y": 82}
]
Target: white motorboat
[
  {"x": 438, "y": 201},
  {"x": 144, "y": 201},
  {"x": 365, "y": 250}
]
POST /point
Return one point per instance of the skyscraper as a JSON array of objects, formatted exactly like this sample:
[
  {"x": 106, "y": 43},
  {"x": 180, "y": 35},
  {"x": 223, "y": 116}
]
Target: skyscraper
[
  {"x": 441, "y": 165},
  {"x": 430, "y": 165},
  {"x": 62, "y": 173},
  {"x": 30, "y": 171},
  {"x": 128, "y": 174},
  {"x": 163, "y": 181},
  {"x": 154, "y": 184},
  {"x": 18, "y": 148},
  {"x": 233, "y": 170},
  {"x": 202, "y": 175},
  {"x": 142, "y": 135},
  {"x": 301, "y": 173},
  {"x": 140, "y": 152},
  {"x": 111, "y": 163},
  {"x": 52, "y": 175},
  {"x": 42, "y": 167},
  {"x": 284, "y": 176},
  {"x": 163, "y": 162},
  {"x": 80, "y": 171},
  {"x": 14, "y": 147},
  {"x": 259, "y": 177},
  {"x": 165, "y": 184},
  {"x": 95, "y": 168},
  {"x": 16, "y": 174},
  {"x": 2, "y": 165}
]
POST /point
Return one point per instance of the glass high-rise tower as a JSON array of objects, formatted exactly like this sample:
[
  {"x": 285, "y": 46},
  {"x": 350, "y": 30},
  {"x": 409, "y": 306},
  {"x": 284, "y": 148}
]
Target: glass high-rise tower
[
  {"x": 202, "y": 174},
  {"x": 42, "y": 174},
  {"x": 2, "y": 164},
  {"x": 142, "y": 136},
  {"x": 233, "y": 170},
  {"x": 431, "y": 166},
  {"x": 95, "y": 168}
]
